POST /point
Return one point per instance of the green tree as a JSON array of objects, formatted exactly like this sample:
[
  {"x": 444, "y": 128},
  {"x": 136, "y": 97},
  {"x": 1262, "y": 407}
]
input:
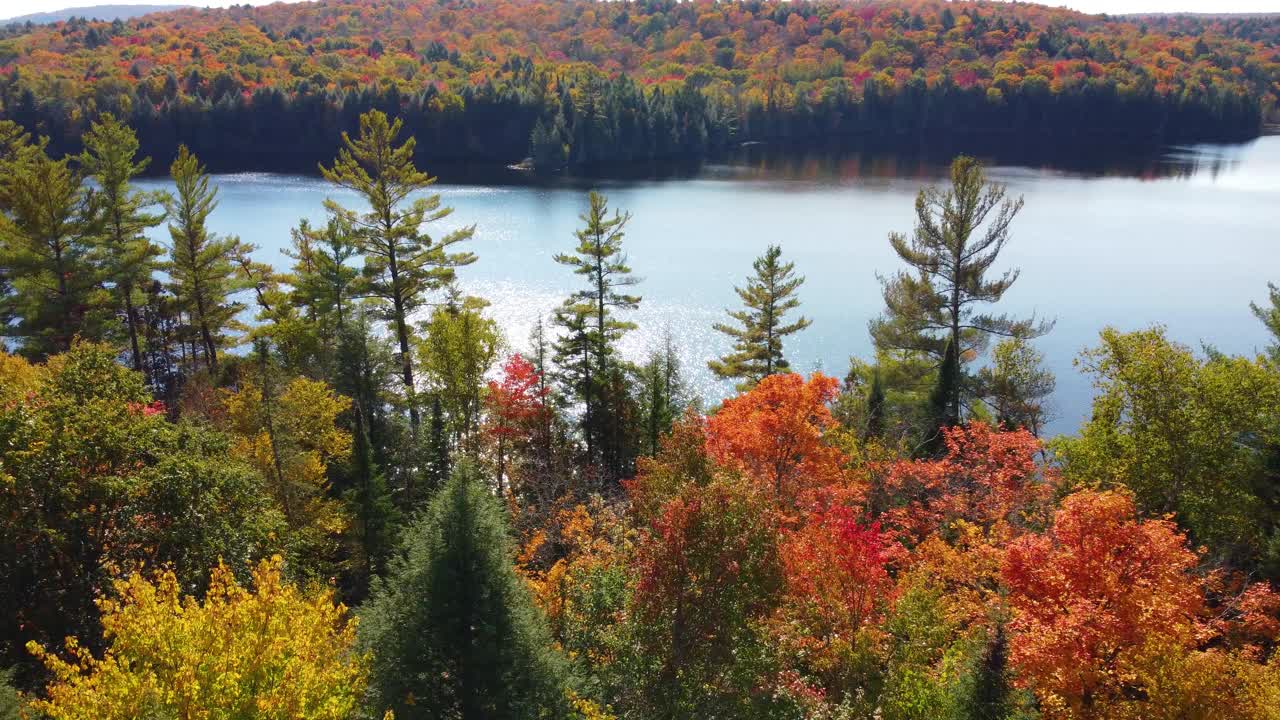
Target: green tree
[
  {"x": 97, "y": 480},
  {"x": 127, "y": 257},
  {"x": 1017, "y": 385},
  {"x": 875, "y": 406},
  {"x": 459, "y": 348},
  {"x": 958, "y": 237},
  {"x": 1270, "y": 316},
  {"x": 943, "y": 413},
  {"x": 401, "y": 262},
  {"x": 201, "y": 268},
  {"x": 593, "y": 329},
  {"x": 1186, "y": 435},
  {"x": 768, "y": 297},
  {"x": 48, "y": 263},
  {"x": 455, "y": 629},
  {"x": 660, "y": 394}
]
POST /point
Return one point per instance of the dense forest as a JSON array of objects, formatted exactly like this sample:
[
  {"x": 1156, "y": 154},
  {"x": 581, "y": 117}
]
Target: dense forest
[
  {"x": 581, "y": 83},
  {"x": 338, "y": 490}
]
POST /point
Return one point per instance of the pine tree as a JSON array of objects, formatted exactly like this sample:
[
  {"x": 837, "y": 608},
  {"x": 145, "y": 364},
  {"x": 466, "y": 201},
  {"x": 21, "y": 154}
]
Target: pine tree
[
  {"x": 456, "y": 632},
  {"x": 324, "y": 284},
  {"x": 768, "y": 296},
  {"x": 439, "y": 464},
  {"x": 127, "y": 257},
  {"x": 660, "y": 394},
  {"x": 200, "y": 267},
  {"x": 48, "y": 264},
  {"x": 586, "y": 350},
  {"x": 958, "y": 237},
  {"x": 401, "y": 262}
]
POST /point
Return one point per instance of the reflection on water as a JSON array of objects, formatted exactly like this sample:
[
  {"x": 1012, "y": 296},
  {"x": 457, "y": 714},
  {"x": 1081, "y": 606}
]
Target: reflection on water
[{"x": 1185, "y": 237}]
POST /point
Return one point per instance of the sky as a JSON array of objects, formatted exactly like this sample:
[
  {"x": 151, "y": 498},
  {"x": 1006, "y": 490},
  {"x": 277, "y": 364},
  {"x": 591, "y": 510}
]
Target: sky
[{"x": 11, "y": 8}]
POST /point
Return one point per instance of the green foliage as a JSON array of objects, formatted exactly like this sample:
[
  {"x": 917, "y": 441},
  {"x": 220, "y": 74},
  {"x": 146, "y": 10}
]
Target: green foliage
[
  {"x": 958, "y": 237},
  {"x": 458, "y": 348},
  {"x": 1187, "y": 435},
  {"x": 1270, "y": 316},
  {"x": 661, "y": 395},
  {"x": 943, "y": 413},
  {"x": 401, "y": 262},
  {"x": 128, "y": 258},
  {"x": 94, "y": 480},
  {"x": 201, "y": 272},
  {"x": 455, "y": 630},
  {"x": 1017, "y": 385},
  {"x": 10, "y": 704},
  {"x": 768, "y": 296},
  {"x": 48, "y": 259}
]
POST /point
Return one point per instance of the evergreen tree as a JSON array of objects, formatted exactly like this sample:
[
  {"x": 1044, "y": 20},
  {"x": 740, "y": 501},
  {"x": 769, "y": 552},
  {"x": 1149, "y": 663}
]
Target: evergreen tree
[
  {"x": 324, "y": 284},
  {"x": 401, "y": 262},
  {"x": 200, "y": 267},
  {"x": 660, "y": 394},
  {"x": 942, "y": 413},
  {"x": 592, "y": 329},
  {"x": 875, "y": 407},
  {"x": 1017, "y": 385},
  {"x": 127, "y": 257},
  {"x": 986, "y": 692},
  {"x": 439, "y": 464},
  {"x": 768, "y": 296},
  {"x": 958, "y": 236},
  {"x": 372, "y": 506},
  {"x": 456, "y": 632},
  {"x": 48, "y": 264}
]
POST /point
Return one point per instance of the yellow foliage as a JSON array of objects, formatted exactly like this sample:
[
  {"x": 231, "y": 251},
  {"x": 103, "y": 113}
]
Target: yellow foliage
[
  {"x": 271, "y": 653},
  {"x": 17, "y": 378}
]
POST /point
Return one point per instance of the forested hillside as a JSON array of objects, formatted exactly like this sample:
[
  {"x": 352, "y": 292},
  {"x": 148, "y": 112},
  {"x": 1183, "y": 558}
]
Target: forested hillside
[
  {"x": 584, "y": 83},
  {"x": 340, "y": 487}
]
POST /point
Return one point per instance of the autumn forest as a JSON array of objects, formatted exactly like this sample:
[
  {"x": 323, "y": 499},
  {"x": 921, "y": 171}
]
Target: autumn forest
[{"x": 337, "y": 488}]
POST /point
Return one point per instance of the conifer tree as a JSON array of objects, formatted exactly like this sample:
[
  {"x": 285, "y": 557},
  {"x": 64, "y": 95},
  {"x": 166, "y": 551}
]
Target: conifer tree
[
  {"x": 401, "y": 262},
  {"x": 456, "y": 632},
  {"x": 126, "y": 255},
  {"x": 942, "y": 413},
  {"x": 875, "y": 407},
  {"x": 586, "y": 350},
  {"x": 660, "y": 394},
  {"x": 439, "y": 464},
  {"x": 959, "y": 234},
  {"x": 49, "y": 265},
  {"x": 768, "y": 296},
  {"x": 201, "y": 267}
]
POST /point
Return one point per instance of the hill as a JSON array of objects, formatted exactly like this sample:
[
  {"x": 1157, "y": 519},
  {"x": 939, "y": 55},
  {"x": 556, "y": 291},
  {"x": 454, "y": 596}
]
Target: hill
[
  {"x": 584, "y": 83},
  {"x": 93, "y": 12}
]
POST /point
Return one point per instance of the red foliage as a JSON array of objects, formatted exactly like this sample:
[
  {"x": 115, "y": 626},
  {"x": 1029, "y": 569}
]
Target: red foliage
[
  {"x": 835, "y": 570},
  {"x": 775, "y": 435},
  {"x": 1088, "y": 596},
  {"x": 989, "y": 476},
  {"x": 516, "y": 402}
]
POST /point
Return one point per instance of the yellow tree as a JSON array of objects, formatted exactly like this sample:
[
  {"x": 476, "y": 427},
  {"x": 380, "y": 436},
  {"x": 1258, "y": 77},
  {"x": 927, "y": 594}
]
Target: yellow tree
[
  {"x": 290, "y": 435},
  {"x": 270, "y": 653}
]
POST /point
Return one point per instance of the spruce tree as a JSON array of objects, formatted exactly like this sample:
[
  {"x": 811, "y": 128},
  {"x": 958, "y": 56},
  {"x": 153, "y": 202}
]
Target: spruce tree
[
  {"x": 875, "y": 407},
  {"x": 201, "y": 268},
  {"x": 959, "y": 234},
  {"x": 126, "y": 255},
  {"x": 942, "y": 413},
  {"x": 401, "y": 262},
  {"x": 757, "y": 348},
  {"x": 455, "y": 631},
  {"x": 438, "y": 463},
  {"x": 1270, "y": 317}
]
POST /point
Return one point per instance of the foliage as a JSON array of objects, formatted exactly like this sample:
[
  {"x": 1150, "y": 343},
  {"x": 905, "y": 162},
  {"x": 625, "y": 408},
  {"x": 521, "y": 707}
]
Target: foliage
[
  {"x": 269, "y": 652},
  {"x": 1186, "y": 435},
  {"x": 457, "y": 350},
  {"x": 776, "y": 436},
  {"x": 1091, "y": 597},
  {"x": 94, "y": 481},
  {"x": 455, "y": 631}
]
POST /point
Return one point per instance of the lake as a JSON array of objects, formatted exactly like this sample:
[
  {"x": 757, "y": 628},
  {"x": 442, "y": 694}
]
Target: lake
[{"x": 1186, "y": 238}]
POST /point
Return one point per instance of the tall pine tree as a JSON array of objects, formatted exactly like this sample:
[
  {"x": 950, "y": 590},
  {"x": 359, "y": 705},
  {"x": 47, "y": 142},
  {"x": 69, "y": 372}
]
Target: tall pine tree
[
  {"x": 126, "y": 255},
  {"x": 201, "y": 268},
  {"x": 959, "y": 234},
  {"x": 401, "y": 262}
]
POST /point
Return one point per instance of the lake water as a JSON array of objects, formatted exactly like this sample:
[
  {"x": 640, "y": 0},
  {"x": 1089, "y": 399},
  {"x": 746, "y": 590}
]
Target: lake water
[{"x": 1186, "y": 239}]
